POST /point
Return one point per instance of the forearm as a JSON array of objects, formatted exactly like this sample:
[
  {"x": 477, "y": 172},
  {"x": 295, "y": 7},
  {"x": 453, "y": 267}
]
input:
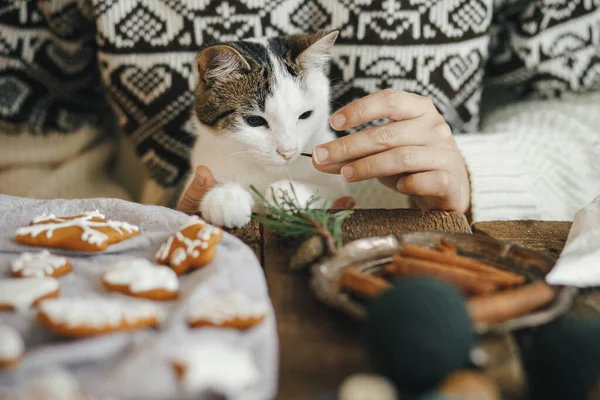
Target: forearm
[{"x": 542, "y": 164}]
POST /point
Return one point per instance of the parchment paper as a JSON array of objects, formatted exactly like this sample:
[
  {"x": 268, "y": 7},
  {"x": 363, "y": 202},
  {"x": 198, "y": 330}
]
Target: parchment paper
[
  {"x": 579, "y": 263},
  {"x": 134, "y": 365}
]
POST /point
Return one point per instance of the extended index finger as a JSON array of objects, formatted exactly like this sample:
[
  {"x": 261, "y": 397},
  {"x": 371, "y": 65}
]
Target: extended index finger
[{"x": 395, "y": 105}]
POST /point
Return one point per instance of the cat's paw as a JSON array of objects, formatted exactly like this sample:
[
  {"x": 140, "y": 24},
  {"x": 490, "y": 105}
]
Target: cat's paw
[
  {"x": 301, "y": 193},
  {"x": 228, "y": 206}
]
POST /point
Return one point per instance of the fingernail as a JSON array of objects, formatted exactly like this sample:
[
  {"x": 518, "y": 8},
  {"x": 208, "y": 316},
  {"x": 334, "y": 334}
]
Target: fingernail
[
  {"x": 401, "y": 184},
  {"x": 337, "y": 121},
  {"x": 347, "y": 172},
  {"x": 321, "y": 155},
  {"x": 200, "y": 179},
  {"x": 349, "y": 204}
]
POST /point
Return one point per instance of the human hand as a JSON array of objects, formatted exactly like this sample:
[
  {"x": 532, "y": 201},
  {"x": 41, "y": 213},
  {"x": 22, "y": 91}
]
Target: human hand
[
  {"x": 204, "y": 181},
  {"x": 414, "y": 154}
]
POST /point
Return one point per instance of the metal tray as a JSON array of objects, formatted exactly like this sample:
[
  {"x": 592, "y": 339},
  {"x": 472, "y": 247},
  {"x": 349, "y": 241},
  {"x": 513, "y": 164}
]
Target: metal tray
[{"x": 371, "y": 254}]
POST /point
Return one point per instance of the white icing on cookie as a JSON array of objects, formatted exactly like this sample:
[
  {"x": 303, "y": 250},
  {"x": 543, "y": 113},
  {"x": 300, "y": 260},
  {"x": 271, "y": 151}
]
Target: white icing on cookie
[
  {"x": 97, "y": 311},
  {"x": 192, "y": 247},
  {"x": 21, "y": 293},
  {"x": 218, "y": 366},
  {"x": 228, "y": 307},
  {"x": 49, "y": 223},
  {"x": 142, "y": 276},
  {"x": 165, "y": 248},
  {"x": 37, "y": 264},
  {"x": 11, "y": 344}
]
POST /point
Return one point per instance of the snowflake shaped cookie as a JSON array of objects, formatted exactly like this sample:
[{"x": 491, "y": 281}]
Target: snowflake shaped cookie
[
  {"x": 37, "y": 265},
  {"x": 89, "y": 231}
]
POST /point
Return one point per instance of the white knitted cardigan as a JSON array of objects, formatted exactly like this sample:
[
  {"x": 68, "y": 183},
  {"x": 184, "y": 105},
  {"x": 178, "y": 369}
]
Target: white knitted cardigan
[{"x": 538, "y": 160}]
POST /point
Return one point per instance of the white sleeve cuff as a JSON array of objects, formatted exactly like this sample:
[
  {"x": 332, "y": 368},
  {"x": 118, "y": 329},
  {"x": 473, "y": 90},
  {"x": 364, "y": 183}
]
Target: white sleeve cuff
[{"x": 500, "y": 182}]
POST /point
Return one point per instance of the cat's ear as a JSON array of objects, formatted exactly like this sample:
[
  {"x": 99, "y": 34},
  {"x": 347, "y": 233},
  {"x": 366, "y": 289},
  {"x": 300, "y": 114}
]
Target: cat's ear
[
  {"x": 316, "y": 49},
  {"x": 218, "y": 61}
]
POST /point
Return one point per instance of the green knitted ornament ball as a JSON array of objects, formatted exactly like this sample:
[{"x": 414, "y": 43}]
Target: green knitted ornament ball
[
  {"x": 562, "y": 359},
  {"x": 418, "y": 332}
]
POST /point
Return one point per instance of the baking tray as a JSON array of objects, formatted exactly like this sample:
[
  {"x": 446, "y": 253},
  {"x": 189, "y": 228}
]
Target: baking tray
[{"x": 371, "y": 254}]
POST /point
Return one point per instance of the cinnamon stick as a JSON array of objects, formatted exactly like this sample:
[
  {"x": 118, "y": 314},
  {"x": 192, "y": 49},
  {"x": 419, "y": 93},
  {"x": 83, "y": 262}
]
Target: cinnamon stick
[
  {"x": 498, "y": 276},
  {"x": 446, "y": 247},
  {"x": 510, "y": 303},
  {"x": 468, "y": 282},
  {"x": 363, "y": 285}
]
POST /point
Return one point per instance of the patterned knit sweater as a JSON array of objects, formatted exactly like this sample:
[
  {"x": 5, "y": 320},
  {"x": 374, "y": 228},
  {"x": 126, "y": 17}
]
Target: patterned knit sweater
[{"x": 69, "y": 68}]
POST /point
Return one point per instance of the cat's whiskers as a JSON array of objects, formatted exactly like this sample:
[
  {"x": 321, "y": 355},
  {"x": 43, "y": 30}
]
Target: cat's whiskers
[
  {"x": 240, "y": 133},
  {"x": 340, "y": 86}
]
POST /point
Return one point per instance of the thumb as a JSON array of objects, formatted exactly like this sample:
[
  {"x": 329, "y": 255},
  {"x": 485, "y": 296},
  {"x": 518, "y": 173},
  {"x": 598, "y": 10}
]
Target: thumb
[
  {"x": 191, "y": 198},
  {"x": 343, "y": 203}
]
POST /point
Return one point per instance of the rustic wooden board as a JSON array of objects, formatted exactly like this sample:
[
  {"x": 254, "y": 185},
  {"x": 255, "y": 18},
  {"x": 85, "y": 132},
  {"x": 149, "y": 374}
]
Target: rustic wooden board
[
  {"x": 251, "y": 234},
  {"x": 368, "y": 223},
  {"x": 319, "y": 347},
  {"x": 538, "y": 235}
]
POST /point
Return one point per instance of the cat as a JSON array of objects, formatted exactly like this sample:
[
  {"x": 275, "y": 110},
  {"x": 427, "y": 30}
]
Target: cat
[{"x": 258, "y": 104}]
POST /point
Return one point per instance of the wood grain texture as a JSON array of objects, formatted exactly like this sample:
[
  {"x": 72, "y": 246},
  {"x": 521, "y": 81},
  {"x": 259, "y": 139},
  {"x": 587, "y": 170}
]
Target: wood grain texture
[
  {"x": 537, "y": 235},
  {"x": 319, "y": 347},
  {"x": 250, "y": 234},
  {"x": 368, "y": 223}
]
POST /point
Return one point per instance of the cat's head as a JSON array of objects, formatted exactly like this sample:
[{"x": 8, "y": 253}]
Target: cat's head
[{"x": 269, "y": 96}]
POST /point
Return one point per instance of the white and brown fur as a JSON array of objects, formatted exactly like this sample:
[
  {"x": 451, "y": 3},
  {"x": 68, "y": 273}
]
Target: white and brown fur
[{"x": 278, "y": 79}]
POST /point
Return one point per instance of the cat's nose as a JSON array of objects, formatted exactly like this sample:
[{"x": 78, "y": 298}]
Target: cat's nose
[{"x": 287, "y": 154}]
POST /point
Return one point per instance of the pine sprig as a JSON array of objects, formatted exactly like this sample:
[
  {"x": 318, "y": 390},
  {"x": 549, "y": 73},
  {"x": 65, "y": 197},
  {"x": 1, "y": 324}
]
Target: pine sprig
[{"x": 288, "y": 218}]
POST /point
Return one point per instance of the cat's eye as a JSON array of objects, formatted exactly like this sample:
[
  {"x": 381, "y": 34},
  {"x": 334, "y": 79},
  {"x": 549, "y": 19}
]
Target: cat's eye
[
  {"x": 306, "y": 115},
  {"x": 255, "y": 120}
]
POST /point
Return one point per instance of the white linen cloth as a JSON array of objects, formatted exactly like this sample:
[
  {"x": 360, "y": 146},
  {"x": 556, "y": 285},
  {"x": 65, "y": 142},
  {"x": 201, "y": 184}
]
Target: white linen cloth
[
  {"x": 579, "y": 263},
  {"x": 135, "y": 365}
]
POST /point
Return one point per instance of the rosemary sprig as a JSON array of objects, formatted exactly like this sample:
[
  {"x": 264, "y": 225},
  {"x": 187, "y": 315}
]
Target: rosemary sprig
[{"x": 289, "y": 219}]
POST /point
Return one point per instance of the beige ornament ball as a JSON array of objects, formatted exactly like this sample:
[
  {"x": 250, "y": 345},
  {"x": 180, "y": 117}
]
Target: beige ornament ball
[
  {"x": 469, "y": 385},
  {"x": 365, "y": 386}
]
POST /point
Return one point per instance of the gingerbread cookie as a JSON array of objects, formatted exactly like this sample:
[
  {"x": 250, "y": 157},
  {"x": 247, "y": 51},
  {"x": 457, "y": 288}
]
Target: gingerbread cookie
[
  {"x": 232, "y": 310},
  {"x": 82, "y": 317},
  {"x": 192, "y": 246},
  {"x": 37, "y": 265},
  {"x": 11, "y": 347},
  {"x": 215, "y": 365},
  {"x": 141, "y": 278},
  {"x": 89, "y": 231},
  {"x": 22, "y": 293}
]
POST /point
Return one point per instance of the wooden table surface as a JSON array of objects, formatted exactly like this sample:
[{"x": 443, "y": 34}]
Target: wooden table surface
[{"x": 319, "y": 347}]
